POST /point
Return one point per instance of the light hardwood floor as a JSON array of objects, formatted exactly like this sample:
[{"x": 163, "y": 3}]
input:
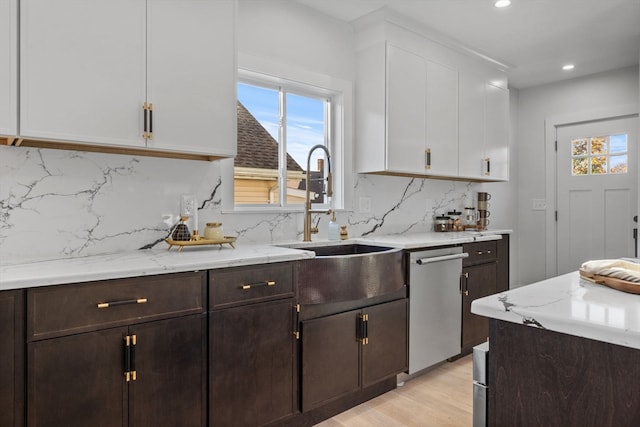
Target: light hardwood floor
[{"x": 441, "y": 397}]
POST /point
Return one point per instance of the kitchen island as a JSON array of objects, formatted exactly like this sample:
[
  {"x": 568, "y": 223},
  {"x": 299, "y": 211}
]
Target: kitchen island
[{"x": 563, "y": 352}]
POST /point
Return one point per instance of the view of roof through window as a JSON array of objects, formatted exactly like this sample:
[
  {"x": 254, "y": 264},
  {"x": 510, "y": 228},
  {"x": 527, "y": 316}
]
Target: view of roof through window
[{"x": 261, "y": 135}]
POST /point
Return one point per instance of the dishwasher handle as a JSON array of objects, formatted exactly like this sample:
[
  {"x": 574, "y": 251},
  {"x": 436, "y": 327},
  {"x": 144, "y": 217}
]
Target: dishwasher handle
[{"x": 422, "y": 261}]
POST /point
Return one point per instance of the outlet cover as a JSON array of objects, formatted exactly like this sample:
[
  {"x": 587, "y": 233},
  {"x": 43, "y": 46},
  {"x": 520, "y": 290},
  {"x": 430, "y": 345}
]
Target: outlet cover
[
  {"x": 365, "y": 204},
  {"x": 188, "y": 205}
]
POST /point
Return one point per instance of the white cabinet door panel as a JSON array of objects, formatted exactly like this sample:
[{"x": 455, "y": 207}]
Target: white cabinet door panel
[
  {"x": 471, "y": 116},
  {"x": 83, "y": 70},
  {"x": 406, "y": 111},
  {"x": 497, "y": 131},
  {"x": 191, "y": 75},
  {"x": 8, "y": 67},
  {"x": 442, "y": 119}
]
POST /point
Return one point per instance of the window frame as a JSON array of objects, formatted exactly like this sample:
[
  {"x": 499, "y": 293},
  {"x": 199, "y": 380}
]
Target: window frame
[{"x": 265, "y": 72}]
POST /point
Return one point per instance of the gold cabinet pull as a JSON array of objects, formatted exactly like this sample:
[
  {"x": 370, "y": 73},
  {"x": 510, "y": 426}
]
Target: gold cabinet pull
[
  {"x": 123, "y": 302},
  {"x": 258, "y": 285},
  {"x": 427, "y": 158}
]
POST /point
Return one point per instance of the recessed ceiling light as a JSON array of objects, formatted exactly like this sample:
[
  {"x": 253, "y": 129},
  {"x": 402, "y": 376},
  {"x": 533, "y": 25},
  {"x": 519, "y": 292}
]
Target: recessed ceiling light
[
  {"x": 568, "y": 67},
  {"x": 502, "y": 3}
]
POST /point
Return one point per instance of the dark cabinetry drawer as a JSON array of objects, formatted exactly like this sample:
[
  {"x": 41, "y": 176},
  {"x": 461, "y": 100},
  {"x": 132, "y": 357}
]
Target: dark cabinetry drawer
[
  {"x": 480, "y": 252},
  {"x": 244, "y": 285},
  {"x": 69, "y": 309}
]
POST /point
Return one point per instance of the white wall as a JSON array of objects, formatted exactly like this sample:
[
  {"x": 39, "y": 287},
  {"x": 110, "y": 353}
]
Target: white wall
[
  {"x": 289, "y": 33},
  {"x": 534, "y": 105}
]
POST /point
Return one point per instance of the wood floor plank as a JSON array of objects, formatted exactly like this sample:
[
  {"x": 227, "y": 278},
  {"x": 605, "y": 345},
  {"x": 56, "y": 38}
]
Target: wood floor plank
[{"x": 441, "y": 397}]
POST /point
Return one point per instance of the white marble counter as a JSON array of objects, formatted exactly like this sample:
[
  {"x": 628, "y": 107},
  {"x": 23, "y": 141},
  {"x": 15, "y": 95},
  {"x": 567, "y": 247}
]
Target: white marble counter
[
  {"x": 432, "y": 239},
  {"x": 158, "y": 261},
  {"x": 570, "y": 305},
  {"x": 141, "y": 263}
]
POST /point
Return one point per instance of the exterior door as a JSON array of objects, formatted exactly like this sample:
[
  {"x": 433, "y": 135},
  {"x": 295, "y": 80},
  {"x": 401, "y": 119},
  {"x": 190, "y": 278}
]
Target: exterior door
[{"x": 596, "y": 168}]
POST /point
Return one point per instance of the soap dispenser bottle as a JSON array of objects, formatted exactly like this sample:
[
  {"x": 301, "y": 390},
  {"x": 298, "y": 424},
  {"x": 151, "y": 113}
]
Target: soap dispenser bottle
[{"x": 333, "y": 231}]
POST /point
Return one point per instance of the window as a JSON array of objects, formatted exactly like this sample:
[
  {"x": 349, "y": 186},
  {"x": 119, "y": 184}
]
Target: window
[
  {"x": 278, "y": 123},
  {"x": 599, "y": 155}
]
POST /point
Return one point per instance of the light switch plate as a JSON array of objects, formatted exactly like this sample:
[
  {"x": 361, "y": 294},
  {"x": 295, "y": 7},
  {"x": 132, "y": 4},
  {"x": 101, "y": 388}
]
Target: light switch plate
[{"x": 539, "y": 204}]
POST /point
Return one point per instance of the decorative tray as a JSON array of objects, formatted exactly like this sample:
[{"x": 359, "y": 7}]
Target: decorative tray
[
  {"x": 612, "y": 282},
  {"x": 199, "y": 242}
]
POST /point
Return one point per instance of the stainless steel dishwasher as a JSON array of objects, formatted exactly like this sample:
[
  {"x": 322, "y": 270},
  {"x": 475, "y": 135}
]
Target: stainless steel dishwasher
[{"x": 435, "y": 306}]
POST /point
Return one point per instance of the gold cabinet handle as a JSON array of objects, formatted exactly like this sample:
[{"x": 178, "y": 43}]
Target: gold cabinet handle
[
  {"x": 427, "y": 158},
  {"x": 123, "y": 302},
  {"x": 258, "y": 285}
]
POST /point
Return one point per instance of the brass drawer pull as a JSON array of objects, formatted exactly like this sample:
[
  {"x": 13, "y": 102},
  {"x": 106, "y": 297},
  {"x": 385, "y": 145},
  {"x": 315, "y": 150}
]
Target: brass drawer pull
[
  {"x": 123, "y": 302},
  {"x": 258, "y": 285}
]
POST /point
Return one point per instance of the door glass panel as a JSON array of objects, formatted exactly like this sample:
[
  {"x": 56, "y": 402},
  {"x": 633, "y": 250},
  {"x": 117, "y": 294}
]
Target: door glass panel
[{"x": 600, "y": 155}]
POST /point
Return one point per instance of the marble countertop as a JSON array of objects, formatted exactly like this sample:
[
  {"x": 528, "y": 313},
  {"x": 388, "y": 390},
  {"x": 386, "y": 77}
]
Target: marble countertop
[
  {"x": 570, "y": 305},
  {"x": 141, "y": 263},
  {"x": 432, "y": 239},
  {"x": 159, "y": 261}
]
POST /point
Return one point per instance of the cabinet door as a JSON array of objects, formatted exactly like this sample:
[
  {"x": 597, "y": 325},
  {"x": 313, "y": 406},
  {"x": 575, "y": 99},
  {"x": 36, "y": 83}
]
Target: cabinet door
[
  {"x": 82, "y": 70},
  {"x": 171, "y": 381},
  {"x": 471, "y": 126},
  {"x": 77, "y": 381},
  {"x": 497, "y": 131},
  {"x": 252, "y": 364},
  {"x": 8, "y": 68},
  {"x": 406, "y": 111},
  {"x": 12, "y": 358},
  {"x": 192, "y": 76},
  {"x": 385, "y": 353},
  {"x": 502, "y": 284},
  {"x": 330, "y": 358},
  {"x": 442, "y": 119},
  {"x": 480, "y": 281}
]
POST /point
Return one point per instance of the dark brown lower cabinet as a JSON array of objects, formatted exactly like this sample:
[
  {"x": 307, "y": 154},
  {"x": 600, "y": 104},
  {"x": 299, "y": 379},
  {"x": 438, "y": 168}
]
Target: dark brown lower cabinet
[
  {"x": 79, "y": 380},
  {"x": 343, "y": 353},
  {"x": 125, "y": 352},
  {"x": 479, "y": 281},
  {"x": 252, "y": 351},
  {"x": 12, "y": 358}
]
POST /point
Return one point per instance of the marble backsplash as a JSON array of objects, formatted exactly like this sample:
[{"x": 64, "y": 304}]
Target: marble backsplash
[{"x": 58, "y": 204}]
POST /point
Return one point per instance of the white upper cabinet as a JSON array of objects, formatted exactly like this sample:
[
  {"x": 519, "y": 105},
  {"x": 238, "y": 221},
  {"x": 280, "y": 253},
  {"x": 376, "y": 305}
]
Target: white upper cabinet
[
  {"x": 83, "y": 71},
  {"x": 406, "y": 113},
  {"x": 496, "y": 131},
  {"x": 484, "y": 129},
  {"x": 8, "y": 68},
  {"x": 442, "y": 120},
  {"x": 192, "y": 75},
  {"x": 88, "y": 68},
  {"x": 424, "y": 108}
]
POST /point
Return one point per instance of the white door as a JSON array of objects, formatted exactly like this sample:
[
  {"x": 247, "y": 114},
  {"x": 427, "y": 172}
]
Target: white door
[{"x": 596, "y": 166}]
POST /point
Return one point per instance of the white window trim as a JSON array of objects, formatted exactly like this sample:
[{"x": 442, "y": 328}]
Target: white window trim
[{"x": 342, "y": 127}]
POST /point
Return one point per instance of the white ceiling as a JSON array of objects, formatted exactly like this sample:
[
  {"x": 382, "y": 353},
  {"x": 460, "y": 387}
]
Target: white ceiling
[{"x": 534, "y": 38}]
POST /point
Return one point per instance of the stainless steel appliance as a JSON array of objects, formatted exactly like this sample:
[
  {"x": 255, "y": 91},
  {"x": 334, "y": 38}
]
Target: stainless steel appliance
[
  {"x": 435, "y": 306},
  {"x": 480, "y": 384}
]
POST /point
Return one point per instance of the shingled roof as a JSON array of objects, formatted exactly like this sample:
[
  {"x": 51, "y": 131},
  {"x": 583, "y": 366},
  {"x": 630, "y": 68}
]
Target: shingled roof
[{"x": 256, "y": 147}]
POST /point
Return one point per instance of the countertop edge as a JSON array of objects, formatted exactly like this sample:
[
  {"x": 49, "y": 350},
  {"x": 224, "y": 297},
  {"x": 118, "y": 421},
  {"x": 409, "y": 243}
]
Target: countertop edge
[{"x": 569, "y": 305}]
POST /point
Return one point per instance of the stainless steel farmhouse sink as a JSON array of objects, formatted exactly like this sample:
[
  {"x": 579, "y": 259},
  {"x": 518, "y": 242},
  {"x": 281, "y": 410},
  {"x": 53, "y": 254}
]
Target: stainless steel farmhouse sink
[{"x": 349, "y": 272}]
